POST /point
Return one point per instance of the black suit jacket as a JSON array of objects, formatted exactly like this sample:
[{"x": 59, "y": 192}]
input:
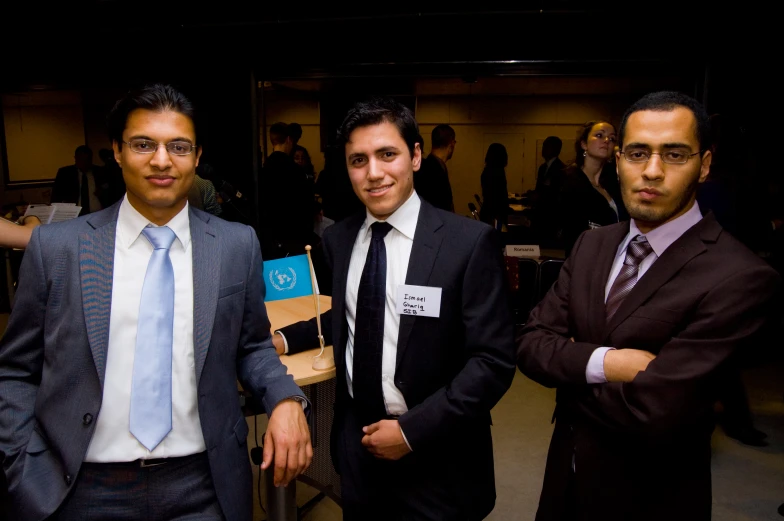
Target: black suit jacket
[
  {"x": 550, "y": 178},
  {"x": 451, "y": 370},
  {"x": 431, "y": 182},
  {"x": 642, "y": 449},
  {"x": 109, "y": 186}
]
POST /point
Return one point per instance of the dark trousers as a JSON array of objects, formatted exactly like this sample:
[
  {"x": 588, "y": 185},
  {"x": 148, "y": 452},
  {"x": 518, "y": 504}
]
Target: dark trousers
[
  {"x": 413, "y": 488},
  {"x": 177, "y": 490}
]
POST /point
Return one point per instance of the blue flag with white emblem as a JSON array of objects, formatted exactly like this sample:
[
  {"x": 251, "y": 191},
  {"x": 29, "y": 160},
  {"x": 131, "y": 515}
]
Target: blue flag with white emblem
[{"x": 288, "y": 277}]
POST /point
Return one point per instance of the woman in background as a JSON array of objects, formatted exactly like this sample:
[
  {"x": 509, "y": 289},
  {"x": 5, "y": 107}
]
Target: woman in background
[
  {"x": 495, "y": 197},
  {"x": 590, "y": 194}
]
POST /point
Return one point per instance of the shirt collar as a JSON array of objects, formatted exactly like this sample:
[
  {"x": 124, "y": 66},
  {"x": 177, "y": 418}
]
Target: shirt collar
[
  {"x": 662, "y": 237},
  {"x": 550, "y": 161},
  {"x": 130, "y": 224},
  {"x": 404, "y": 219}
]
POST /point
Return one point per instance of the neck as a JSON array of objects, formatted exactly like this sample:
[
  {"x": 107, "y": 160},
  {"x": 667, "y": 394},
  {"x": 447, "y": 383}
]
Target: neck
[
  {"x": 592, "y": 168},
  {"x": 279, "y": 148},
  {"x": 157, "y": 216},
  {"x": 440, "y": 153}
]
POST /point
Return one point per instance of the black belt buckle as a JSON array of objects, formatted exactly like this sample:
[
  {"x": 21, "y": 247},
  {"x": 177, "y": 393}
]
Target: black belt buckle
[{"x": 145, "y": 463}]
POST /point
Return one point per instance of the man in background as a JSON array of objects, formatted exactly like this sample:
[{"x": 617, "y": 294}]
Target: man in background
[
  {"x": 432, "y": 179},
  {"x": 86, "y": 185}
]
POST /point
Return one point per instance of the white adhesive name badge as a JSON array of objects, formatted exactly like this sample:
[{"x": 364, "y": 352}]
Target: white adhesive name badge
[
  {"x": 418, "y": 300},
  {"x": 523, "y": 250}
]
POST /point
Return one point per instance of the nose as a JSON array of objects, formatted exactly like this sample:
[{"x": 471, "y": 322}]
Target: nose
[
  {"x": 654, "y": 168},
  {"x": 375, "y": 169},
  {"x": 160, "y": 158}
]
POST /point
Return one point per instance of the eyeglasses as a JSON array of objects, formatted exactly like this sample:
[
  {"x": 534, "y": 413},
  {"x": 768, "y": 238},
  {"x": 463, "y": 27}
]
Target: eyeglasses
[
  {"x": 148, "y": 146},
  {"x": 673, "y": 156}
]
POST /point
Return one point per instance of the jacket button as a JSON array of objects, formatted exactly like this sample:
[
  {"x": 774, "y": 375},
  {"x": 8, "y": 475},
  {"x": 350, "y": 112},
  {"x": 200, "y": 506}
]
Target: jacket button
[
  {"x": 67, "y": 479},
  {"x": 87, "y": 419}
]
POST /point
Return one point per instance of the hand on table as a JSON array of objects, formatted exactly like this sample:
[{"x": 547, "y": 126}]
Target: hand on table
[
  {"x": 622, "y": 365},
  {"x": 384, "y": 440},
  {"x": 277, "y": 341},
  {"x": 288, "y": 441}
]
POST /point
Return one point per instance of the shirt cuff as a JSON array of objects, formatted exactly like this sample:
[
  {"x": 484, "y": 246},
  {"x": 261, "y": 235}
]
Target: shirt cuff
[
  {"x": 302, "y": 401},
  {"x": 404, "y": 437},
  {"x": 594, "y": 371},
  {"x": 285, "y": 342}
]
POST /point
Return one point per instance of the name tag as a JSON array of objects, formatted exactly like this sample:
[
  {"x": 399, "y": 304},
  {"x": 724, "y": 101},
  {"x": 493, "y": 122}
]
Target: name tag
[
  {"x": 523, "y": 250},
  {"x": 418, "y": 300}
]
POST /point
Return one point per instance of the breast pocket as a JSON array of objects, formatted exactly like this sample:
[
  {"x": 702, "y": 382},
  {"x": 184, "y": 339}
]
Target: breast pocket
[
  {"x": 670, "y": 316},
  {"x": 228, "y": 291}
]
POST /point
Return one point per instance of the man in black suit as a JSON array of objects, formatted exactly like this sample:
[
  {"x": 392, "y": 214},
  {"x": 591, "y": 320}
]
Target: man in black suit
[
  {"x": 638, "y": 330},
  {"x": 548, "y": 186},
  {"x": 86, "y": 185},
  {"x": 287, "y": 197},
  {"x": 420, "y": 365},
  {"x": 432, "y": 179}
]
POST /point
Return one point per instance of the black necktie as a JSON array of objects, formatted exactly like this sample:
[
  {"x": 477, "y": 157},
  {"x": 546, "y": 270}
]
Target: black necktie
[
  {"x": 369, "y": 327},
  {"x": 85, "y": 197}
]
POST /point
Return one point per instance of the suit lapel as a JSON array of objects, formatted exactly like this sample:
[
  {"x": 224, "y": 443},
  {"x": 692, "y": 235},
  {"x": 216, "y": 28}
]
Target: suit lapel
[
  {"x": 344, "y": 245},
  {"x": 427, "y": 241},
  {"x": 685, "y": 248},
  {"x": 206, "y": 279},
  {"x": 96, "y": 268},
  {"x": 604, "y": 258}
]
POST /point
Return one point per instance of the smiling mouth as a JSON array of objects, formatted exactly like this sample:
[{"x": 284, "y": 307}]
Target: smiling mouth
[{"x": 379, "y": 189}]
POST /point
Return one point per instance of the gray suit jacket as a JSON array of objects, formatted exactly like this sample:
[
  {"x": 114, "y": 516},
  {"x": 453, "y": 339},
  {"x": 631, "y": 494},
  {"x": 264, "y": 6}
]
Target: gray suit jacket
[{"x": 53, "y": 356}]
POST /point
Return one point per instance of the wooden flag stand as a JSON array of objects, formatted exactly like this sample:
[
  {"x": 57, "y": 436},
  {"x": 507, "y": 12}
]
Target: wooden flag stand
[{"x": 320, "y": 362}]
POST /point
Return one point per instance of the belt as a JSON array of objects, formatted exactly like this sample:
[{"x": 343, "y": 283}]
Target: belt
[{"x": 153, "y": 462}]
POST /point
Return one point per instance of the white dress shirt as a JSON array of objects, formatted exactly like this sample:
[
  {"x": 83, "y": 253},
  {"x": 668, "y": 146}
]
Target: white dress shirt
[
  {"x": 660, "y": 239},
  {"x": 398, "y": 244},
  {"x": 112, "y": 440}
]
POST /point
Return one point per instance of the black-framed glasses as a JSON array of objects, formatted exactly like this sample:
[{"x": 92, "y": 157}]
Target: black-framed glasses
[
  {"x": 672, "y": 156},
  {"x": 148, "y": 146}
]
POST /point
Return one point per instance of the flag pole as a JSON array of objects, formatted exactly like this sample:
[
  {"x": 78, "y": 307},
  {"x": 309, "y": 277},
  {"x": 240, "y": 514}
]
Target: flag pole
[{"x": 319, "y": 362}]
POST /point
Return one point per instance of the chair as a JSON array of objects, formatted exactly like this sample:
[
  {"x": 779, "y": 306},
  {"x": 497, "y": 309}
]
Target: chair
[
  {"x": 548, "y": 274},
  {"x": 523, "y": 284},
  {"x": 474, "y": 212}
]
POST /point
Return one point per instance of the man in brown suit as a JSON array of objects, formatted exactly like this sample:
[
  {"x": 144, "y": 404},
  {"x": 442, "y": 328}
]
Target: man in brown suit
[{"x": 637, "y": 330}]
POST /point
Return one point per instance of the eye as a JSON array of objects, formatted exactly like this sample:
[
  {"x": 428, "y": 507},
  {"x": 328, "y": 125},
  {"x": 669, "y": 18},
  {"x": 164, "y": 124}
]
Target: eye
[
  {"x": 357, "y": 161},
  {"x": 388, "y": 155},
  {"x": 675, "y": 155},
  {"x": 636, "y": 154},
  {"x": 613, "y": 139}
]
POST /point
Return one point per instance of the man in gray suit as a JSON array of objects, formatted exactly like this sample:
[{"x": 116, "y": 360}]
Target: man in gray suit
[{"x": 71, "y": 361}]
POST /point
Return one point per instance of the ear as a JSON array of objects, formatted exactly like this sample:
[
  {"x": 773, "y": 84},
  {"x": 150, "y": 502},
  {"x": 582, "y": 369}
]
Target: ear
[
  {"x": 584, "y": 145},
  {"x": 117, "y": 152},
  {"x": 707, "y": 157},
  {"x": 416, "y": 161},
  {"x": 198, "y": 155}
]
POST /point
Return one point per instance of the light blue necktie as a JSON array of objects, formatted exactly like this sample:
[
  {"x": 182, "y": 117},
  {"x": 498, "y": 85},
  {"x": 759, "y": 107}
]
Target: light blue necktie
[{"x": 151, "y": 390}]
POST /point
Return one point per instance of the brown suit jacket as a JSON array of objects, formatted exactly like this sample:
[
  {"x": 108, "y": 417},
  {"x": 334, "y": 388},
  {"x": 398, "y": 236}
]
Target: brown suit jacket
[{"x": 641, "y": 450}]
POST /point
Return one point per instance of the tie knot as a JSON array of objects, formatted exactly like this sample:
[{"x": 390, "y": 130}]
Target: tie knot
[
  {"x": 161, "y": 237},
  {"x": 380, "y": 229},
  {"x": 638, "y": 249}
]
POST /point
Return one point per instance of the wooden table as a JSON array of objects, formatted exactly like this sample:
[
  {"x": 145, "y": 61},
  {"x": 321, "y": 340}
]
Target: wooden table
[{"x": 285, "y": 312}]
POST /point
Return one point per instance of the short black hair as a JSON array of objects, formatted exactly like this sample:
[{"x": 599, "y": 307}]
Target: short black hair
[
  {"x": 666, "y": 101},
  {"x": 278, "y": 133},
  {"x": 294, "y": 131},
  {"x": 374, "y": 112},
  {"x": 442, "y": 136},
  {"x": 83, "y": 149},
  {"x": 554, "y": 142},
  {"x": 157, "y": 97}
]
